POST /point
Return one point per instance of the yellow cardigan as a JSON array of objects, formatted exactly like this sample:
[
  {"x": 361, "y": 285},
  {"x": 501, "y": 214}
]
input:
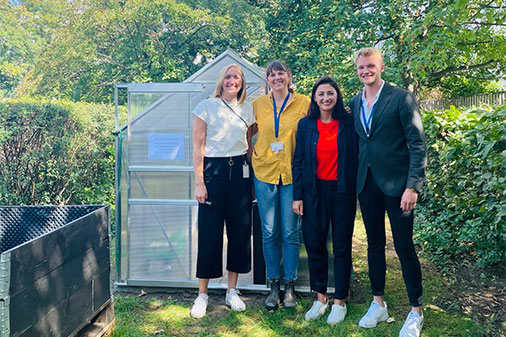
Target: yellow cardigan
[{"x": 268, "y": 165}]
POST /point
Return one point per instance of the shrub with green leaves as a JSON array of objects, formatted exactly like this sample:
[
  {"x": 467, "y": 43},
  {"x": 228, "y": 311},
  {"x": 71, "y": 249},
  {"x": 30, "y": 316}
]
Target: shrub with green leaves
[
  {"x": 462, "y": 211},
  {"x": 56, "y": 152}
]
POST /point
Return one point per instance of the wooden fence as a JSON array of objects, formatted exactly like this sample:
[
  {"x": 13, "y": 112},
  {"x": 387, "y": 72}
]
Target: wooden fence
[{"x": 498, "y": 98}]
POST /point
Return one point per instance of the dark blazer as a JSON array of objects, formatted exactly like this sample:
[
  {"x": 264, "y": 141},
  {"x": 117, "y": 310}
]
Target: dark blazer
[
  {"x": 304, "y": 160},
  {"x": 395, "y": 150}
]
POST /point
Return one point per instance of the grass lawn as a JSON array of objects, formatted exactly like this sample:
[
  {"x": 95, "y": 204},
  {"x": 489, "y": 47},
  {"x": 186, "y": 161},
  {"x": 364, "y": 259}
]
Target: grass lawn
[{"x": 165, "y": 314}]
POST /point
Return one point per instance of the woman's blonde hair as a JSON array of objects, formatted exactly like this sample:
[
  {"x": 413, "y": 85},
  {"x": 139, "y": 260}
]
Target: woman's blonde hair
[
  {"x": 279, "y": 66},
  {"x": 218, "y": 92}
]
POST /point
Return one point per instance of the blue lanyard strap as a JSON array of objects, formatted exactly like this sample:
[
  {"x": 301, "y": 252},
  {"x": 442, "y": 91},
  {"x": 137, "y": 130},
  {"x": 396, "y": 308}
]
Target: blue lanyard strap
[
  {"x": 277, "y": 116},
  {"x": 367, "y": 121}
]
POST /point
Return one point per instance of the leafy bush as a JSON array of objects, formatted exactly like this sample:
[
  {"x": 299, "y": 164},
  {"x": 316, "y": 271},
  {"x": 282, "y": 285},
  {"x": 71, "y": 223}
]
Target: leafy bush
[
  {"x": 463, "y": 208},
  {"x": 56, "y": 153}
]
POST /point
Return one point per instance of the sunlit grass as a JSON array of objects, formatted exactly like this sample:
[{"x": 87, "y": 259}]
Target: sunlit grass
[
  {"x": 172, "y": 319},
  {"x": 163, "y": 316}
]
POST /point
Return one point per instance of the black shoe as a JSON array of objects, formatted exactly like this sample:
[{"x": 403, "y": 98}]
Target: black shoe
[
  {"x": 272, "y": 301},
  {"x": 289, "y": 299}
]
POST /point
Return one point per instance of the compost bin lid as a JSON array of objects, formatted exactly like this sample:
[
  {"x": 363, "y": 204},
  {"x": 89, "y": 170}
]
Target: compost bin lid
[{"x": 19, "y": 224}]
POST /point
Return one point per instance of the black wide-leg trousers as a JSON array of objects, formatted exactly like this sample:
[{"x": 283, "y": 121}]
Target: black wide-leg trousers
[
  {"x": 373, "y": 203},
  {"x": 228, "y": 203},
  {"x": 320, "y": 210}
]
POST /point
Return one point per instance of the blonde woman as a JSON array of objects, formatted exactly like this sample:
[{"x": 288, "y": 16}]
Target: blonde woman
[{"x": 223, "y": 185}]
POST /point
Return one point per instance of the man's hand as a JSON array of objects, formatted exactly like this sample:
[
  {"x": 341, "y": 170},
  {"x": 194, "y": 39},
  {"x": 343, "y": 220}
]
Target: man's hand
[
  {"x": 408, "y": 200},
  {"x": 298, "y": 206}
]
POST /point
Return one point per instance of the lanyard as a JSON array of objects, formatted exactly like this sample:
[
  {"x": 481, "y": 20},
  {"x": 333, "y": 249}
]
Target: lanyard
[
  {"x": 367, "y": 121},
  {"x": 277, "y": 117},
  {"x": 235, "y": 113}
]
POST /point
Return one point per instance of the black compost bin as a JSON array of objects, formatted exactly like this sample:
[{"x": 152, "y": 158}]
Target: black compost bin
[{"x": 54, "y": 268}]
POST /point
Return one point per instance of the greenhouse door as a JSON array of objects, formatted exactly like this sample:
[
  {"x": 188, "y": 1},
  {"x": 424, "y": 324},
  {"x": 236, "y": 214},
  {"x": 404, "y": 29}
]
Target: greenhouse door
[{"x": 157, "y": 210}]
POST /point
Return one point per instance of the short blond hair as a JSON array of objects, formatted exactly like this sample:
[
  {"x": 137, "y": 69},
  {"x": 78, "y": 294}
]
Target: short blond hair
[
  {"x": 368, "y": 51},
  {"x": 218, "y": 92}
]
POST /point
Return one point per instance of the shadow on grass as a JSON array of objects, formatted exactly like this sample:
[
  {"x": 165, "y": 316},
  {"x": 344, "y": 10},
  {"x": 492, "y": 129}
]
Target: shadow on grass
[
  {"x": 159, "y": 315},
  {"x": 152, "y": 316}
]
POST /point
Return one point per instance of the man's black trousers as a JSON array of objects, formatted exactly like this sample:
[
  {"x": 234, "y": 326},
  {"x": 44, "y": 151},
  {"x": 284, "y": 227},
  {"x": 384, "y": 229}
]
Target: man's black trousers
[{"x": 373, "y": 203}]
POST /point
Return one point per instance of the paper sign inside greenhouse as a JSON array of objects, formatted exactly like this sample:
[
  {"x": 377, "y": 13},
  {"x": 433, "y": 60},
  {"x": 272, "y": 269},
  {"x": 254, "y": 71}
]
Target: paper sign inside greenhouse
[{"x": 166, "y": 146}]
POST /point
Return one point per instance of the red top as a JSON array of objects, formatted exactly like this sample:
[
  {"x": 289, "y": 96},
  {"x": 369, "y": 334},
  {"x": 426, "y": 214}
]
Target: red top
[{"x": 326, "y": 150}]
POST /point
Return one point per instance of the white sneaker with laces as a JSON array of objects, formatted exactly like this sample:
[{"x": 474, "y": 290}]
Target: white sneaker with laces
[
  {"x": 199, "y": 306},
  {"x": 316, "y": 310},
  {"x": 337, "y": 314},
  {"x": 374, "y": 315},
  {"x": 233, "y": 300},
  {"x": 412, "y": 326}
]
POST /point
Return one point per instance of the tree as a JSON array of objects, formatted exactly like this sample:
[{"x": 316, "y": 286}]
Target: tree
[
  {"x": 454, "y": 46},
  {"x": 137, "y": 41},
  {"x": 17, "y": 46},
  {"x": 434, "y": 41},
  {"x": 425, "y": 43},
  {"x": 27, "y": 27}
]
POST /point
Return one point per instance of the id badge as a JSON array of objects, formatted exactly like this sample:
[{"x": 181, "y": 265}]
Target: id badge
[
  {"x": 245, "y": 170},
  {"x": 276, "y": 147}
]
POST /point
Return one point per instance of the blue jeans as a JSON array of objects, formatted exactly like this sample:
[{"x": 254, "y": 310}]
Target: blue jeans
[{"x": 280, "y": 229}]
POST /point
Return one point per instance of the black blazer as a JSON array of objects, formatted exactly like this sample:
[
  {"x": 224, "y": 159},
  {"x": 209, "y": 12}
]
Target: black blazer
[
  {"x": 395, "y": 150},
  {"x": 304, "y": 160}
]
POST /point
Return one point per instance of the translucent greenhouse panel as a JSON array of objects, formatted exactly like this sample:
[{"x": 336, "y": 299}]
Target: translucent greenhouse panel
[
  {"x": 162, "y": 135},
  {"x": 162, "y": 185},
  {"x": 162, "y": 242},
  {"x": 161, "y": 148},
  {"x": 172, "y": 111},
  {"x": 140, "y": 101},
  {"x": 254, "y": 92}
]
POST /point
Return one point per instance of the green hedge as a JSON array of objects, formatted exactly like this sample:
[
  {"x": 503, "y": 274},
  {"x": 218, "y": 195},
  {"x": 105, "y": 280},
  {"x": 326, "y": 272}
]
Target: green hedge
[
  {"x": 462, "y": 211},
  {"x": 56, "y": 153},
  {"x": 63, "y": 153}
]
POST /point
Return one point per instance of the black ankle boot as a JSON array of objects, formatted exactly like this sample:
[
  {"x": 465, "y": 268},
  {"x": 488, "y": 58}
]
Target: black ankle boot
[
  {"x": 289, "y": 300},
  {"x": 272, "y": 301}
]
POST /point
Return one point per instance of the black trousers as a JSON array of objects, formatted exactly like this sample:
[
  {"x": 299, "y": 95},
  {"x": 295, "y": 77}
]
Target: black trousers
[
  {"x": 373, "y": 203},
  {"x": 320, "y": 210},
  {"x": 228, "y": 202}
]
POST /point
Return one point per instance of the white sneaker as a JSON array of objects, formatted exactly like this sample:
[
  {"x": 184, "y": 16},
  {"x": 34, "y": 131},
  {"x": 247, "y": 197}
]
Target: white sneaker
[
  {"x": 374, "y": 315},
  {"x": 233, "y": 300},
  {"x": 316, "y": 310},
  {"x": 412, "y": 326},
  {"x": 337, "y": 314},
  {"x": 199, "y": 306}
]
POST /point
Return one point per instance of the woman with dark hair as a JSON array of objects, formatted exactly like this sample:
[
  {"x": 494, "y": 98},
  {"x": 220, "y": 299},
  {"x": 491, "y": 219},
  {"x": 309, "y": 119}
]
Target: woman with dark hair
[
  {"x": 277, "y": 115},
  {"x": 222, "y": 185},
  {"x": 324, "y": 174}
]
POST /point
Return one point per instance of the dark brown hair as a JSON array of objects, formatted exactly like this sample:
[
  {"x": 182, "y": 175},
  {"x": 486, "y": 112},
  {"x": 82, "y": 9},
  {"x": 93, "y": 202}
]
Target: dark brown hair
[
  {"x": 314, "y": 110},
  {"x": 279, "y": 66}
]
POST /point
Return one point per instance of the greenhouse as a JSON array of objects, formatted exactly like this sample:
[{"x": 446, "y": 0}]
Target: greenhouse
[{"x": 155, "y": 207}]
